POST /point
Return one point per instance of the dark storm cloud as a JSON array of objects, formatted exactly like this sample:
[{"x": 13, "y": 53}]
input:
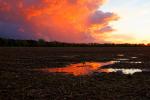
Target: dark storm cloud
[{"x": 61, "y": 20}]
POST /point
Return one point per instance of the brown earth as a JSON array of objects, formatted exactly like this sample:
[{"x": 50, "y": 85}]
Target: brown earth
[{"x": 18, "y": 81}]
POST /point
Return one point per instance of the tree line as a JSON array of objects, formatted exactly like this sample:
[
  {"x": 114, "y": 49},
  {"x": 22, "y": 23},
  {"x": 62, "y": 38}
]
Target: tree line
[{"x": 42, "y": 43}]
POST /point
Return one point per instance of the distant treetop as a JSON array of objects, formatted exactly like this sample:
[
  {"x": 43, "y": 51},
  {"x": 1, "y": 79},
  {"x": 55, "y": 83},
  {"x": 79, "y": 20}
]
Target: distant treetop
[{"x": 42, "y": 43}]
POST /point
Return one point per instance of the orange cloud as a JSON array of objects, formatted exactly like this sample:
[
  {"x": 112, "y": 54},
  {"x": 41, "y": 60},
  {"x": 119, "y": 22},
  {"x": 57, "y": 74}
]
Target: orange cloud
[{"x": 61, "y": 20}]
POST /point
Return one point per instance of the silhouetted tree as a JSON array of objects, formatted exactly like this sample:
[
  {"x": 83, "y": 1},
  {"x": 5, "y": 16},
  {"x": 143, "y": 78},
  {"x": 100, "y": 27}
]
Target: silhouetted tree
[{"x": 43, "y": 43}]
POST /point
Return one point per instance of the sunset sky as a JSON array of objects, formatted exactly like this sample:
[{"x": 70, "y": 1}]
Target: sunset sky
[
  {"x": 102, "y": 21},
  {"x": 134, "y": 23}
]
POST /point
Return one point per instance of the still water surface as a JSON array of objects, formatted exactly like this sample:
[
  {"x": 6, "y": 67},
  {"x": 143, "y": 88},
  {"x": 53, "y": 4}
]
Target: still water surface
[{"x": 88, "y": 68}]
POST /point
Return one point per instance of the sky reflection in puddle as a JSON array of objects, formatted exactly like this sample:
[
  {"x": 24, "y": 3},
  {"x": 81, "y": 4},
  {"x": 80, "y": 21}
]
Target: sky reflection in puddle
[
  {"x": 134, "y": 57},
  {"x": 88, "y": 68},
  {"x": 120, "y": 55},
  {"x": 79, "y": 68},
  {"x": 124, "y": 71},
  {"x": 130, "y": 62},
  {"x": 122, "y": 59}
]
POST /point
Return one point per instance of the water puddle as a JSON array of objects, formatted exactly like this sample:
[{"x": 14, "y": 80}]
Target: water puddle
[
  {"x": 135, "y": 62},
  {"x": 88, "y": 68},
  {"x": 122, "y": 59},
  {"x": 120, "y": 55},
  {"x": 79, "y": 68},
  {"x": 134, "y": 57},
  {"x": 129, "y": 62},
  {"x": 123, "y": 71}
]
